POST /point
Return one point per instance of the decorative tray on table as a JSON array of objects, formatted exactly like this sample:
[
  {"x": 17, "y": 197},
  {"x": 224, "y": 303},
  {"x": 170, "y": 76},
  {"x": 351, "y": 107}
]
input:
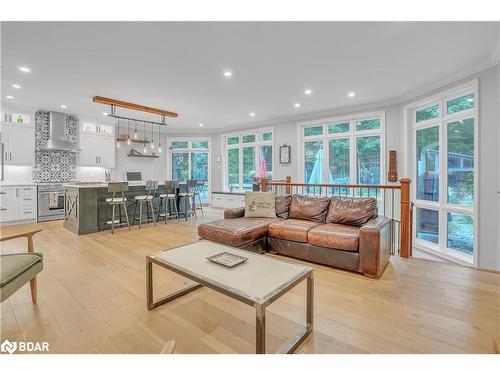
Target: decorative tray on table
[{"x": 227, "y": 259}]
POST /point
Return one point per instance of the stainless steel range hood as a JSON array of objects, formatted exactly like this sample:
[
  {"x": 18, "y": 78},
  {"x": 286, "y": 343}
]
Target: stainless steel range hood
[{"x": 57, "y": 137}]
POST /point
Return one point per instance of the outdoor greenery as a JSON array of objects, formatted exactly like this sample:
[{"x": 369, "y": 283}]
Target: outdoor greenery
[
  {"x": 233, "y": 167},
  {"x": 267, "y": 136},
  {"x": 248, "y": 166},
  {"x": 368, "y": 124},
  {"x": 461, "y": 233},
  {"x": 249, "y": 138},
  {"x": 179, "y": 144},
  {"x": 368, "y": 160},
  {"x": 427, "y": 113},
  {"x": 339, "y": 161},
  {"x": 428, "y": 164},
  {"x": 311, "y": 151},
  {"x": 199, "y": 144},
  {"x": 233, "y": 140},
  {"x": 313, "y": 130},
  {"x": 460, "y": 104},
  {"x": 461, "y": 162},
  {"x": 338, "y": 128}
]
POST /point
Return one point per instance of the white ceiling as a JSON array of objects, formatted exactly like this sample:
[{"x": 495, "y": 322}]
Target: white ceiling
[{"x": 179, "y": 66}]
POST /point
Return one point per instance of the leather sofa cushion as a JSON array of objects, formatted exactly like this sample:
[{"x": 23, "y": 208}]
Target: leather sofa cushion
[
  {"x": 291, "y": 229},
  {"x": 283, "y": 205},
  {"x": 309, "y": 208},
  {"x": 335, "y": 236},
  {"x": 235, "y": 232},
  {"x": 351, "y": 211}
]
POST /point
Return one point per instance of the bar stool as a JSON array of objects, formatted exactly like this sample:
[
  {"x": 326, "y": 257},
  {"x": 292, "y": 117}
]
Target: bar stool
[
  {"x": 199, "y": 185},
  {"x": 188, "y": 197},
  {"x": 117, "y": 188},
  {"x": 168, "y": 199},
  {"x": 151, "y": 187}
]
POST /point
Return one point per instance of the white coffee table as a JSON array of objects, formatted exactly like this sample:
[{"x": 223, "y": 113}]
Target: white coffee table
[{"x": 258, "y": 282}]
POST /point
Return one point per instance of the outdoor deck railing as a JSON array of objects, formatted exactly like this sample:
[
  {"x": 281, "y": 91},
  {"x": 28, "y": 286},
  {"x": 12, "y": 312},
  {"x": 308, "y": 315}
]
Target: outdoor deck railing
[{"x": 393, "y": 201}]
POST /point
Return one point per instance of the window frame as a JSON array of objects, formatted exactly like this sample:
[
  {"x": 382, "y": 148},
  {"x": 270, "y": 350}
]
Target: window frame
[
  {"x": 241, "y": 145},
  {"x": 442, "y": 206},
  {"x": 352, "y": 134},
  {"x": 190, "y": 150}
]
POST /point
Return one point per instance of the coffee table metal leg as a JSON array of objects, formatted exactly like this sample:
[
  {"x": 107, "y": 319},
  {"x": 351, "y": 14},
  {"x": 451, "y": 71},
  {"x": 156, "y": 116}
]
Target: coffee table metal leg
[
  {"x": 260, "y": 322},
  {"x": 295, "y": 342},
  {"x": 151, "y": 303}
]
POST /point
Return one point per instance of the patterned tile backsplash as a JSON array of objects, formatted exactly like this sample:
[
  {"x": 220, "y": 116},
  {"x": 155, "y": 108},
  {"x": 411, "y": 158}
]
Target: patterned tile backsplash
[{"x": 54, "y": 166}]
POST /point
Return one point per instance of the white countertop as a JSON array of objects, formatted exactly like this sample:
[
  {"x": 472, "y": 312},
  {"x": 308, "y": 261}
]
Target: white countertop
[
  {"x": 93, "y": 185},
  {"x": 17, "y": 184}
]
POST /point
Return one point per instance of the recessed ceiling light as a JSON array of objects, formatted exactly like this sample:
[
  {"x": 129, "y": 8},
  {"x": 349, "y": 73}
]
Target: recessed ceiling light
[
  {"x": 297, "y": 105},
  {"x": 201, "y": 125},
  {"x": 63, "y": 106},
  {"x": 105, "y": 113},
  {"x": 9, "y": 97},
  {"x": 228, "y": 74},
  {"x": 351, "y": 94},
  {"x": 308, "y": 92},
  {"x": 16, "y": 86},
  {"x": 252, "y": 114},
  {"x": 24, "y": 69}
]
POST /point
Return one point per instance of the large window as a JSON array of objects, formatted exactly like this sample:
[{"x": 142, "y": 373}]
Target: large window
[
  {"x": 247, "y": 155},
  {"x": 444, "y": 153},
  {"x": 189, "y": 159},
  {"x": 346, "y": 150}
]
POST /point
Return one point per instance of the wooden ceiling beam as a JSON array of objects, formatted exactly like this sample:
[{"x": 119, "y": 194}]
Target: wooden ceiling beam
[{"x": 133, "y": 106}]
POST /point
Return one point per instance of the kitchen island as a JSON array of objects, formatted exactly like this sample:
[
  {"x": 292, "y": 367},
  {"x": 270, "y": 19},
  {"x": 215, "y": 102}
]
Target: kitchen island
[{"x": 87, "y": 210}]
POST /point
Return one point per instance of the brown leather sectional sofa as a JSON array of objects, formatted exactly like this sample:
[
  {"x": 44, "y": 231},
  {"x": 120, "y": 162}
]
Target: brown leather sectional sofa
[{"x": 341, "y": 232}]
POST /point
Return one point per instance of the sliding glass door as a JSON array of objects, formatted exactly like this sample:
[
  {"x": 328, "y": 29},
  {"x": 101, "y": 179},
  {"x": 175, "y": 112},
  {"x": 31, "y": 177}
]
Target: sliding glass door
[
  {"x": 189, "y": 160},
  {"x": 444, "y": 138}
]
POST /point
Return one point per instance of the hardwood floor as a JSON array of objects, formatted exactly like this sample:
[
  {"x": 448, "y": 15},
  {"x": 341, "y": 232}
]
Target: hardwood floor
[{"x": 92, "y": 300}]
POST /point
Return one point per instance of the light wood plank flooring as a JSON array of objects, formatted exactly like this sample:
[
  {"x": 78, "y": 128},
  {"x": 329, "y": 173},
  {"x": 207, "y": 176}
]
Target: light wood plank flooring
[{"x": 92, "y": 300}]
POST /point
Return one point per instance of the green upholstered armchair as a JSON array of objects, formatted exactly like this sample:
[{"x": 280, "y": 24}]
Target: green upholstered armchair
[{"x": 17, "y": 269}]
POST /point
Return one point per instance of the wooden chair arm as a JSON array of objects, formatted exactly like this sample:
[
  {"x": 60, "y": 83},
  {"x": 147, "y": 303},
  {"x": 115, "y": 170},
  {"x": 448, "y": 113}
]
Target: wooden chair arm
[{"x": 28, "y": 235}]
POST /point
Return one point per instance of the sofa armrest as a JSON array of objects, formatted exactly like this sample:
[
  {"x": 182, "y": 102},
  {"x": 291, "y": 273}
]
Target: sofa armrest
[
  {"x": 374, "y": 246},
  {"x": 234, "y": 213}
]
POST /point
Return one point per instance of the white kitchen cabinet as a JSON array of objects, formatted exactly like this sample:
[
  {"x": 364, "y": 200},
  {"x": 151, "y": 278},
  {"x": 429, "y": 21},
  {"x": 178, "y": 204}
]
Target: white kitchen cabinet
[
  {"x": 88, "y": 155},
  {"x": 98, "y": 148},
  {"x": 9, "y": 203},
  {"x": 19, "y": 144},
  {"x": 228, "y": 200},
  {"x": 106, "y": 151},
  {"x": 18, "y": 203}
]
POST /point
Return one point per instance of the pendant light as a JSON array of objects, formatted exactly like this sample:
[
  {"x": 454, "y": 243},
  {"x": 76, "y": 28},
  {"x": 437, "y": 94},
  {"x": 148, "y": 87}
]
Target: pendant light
[
  {"x": 144, "y": 136},
  {"x": 118, "y": 139},
  {"x": 159, "y": 140},
  {"x": 128, "y": 133},
  {"x": 152, "y": 138}
]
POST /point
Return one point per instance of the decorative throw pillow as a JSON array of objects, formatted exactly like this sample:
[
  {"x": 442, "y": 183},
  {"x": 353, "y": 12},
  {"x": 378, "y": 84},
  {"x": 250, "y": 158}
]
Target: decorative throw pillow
[
  {"x": 260, "y": 204},
  {"x": 351, "y": 211},
  {"x": 307, "y": 207},
  {"x": 283, "y": 205}
]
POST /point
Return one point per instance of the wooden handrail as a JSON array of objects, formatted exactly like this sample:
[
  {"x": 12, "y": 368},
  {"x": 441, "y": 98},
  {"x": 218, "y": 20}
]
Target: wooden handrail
[
  {"x": 29, "y": 235},
  {"x": 352, "y": 186}
]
